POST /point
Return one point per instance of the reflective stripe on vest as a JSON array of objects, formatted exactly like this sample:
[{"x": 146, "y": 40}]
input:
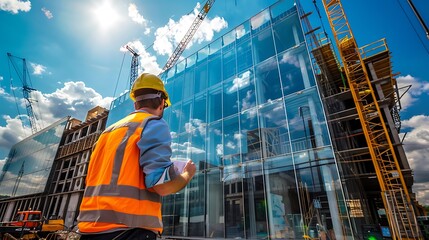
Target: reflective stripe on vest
[{"x": 115, "y": 203}]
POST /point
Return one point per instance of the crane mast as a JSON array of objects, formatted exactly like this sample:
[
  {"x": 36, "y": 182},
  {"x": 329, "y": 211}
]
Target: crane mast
[
  {"x": 26, "y": 91},
  {"x": 188, "y": 36},
  {"x": 396, "y": 199},
  {"x": 134, "y": 65}
]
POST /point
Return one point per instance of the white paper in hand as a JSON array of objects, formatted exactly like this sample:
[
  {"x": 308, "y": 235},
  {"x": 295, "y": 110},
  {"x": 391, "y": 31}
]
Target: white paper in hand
[{"x": 179, "y": 164}]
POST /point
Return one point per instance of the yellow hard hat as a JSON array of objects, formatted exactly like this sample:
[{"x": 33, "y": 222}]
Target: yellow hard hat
[{"x": 147, "y": 80}]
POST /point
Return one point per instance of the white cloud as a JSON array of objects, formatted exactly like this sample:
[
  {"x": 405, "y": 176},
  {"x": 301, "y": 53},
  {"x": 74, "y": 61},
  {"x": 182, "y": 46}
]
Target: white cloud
[
  {"x": 13, "y": 132},
  {"x": 183, "y": 150},
  {"x": 231, "y": 145},
  {"x": 219, "y": 150},
  {"x": 6, "y": 95},
  {"x": 134, "y": 14},
  {"x": 260, "y": 19},
  {"x": 240, "y": 31},
  {"x": 416, "y": 145},
  {"x": 1, "y": 78},
  {"x": 240, "y": 82},
  {"x": 2, "y": 162},
  {"x": 291, "y": 59},
  {"x": 171, "y": 34},
  {"x": 38, "y": 69},
  {"x": 417, "y": 89},
  {"x": 15, "y": 6},
  {"x": 147, "y": 61},
  {"x": 196, "y": 126},
  {"x": 47, "y": 13},
  {"x": 73, "y": 99}
]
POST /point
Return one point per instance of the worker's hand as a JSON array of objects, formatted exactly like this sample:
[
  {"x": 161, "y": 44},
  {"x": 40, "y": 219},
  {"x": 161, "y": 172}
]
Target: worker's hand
[{"x": 190, "y": 169}]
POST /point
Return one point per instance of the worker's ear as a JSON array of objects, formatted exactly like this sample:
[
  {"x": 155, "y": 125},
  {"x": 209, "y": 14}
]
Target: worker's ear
[{"x": 161, "y": 106}]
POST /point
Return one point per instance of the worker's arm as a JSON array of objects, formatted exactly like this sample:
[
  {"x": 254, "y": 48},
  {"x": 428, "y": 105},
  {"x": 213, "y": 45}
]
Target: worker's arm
[{"x": 155, "y": 154}]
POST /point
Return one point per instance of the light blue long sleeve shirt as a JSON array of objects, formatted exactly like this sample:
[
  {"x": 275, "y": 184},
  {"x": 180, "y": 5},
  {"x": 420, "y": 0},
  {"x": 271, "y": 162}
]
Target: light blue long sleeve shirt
[{"x": 155, "y": 152}]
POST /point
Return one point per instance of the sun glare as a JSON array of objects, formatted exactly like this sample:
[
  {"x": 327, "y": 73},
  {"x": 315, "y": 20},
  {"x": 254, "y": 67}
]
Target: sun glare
[{"x": 106, "y": 15}]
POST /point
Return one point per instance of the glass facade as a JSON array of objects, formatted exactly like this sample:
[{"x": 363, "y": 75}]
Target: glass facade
[
  {"x": 247, "y": 111},
  {"x": 30, "y": 161}
]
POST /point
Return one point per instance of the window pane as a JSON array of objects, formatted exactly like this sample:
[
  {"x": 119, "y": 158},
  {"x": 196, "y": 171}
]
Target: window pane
[
  {"x": 245, "y": 83},
  {"x": 214, "y": 48},
  {"x": 200, "y": 108},
  {"x": 250, "y": 142},
  {"x": 188, "y": 86},
  {"x": 295, "y": 70},
  {"x": 282, "y": 197},
  {"x": 215, "y": 71},
  {"x": 274, "y": 133},
  {"x": 177, "y": 91},
  {"x": 231, "y": 140},
  {"x": 190, "y": 61},
  {"x": 228, "y": 40},
  {"x": 260, "y": 21},
  {"x": 202, "y": 54},
  {"x": 197, "y": 128},
  {"x": 215, "y": 103},
  {"x": 215, "y": 217},
  {"x": 215, "y": 147},
  {"x": 306, "y": 121},
  {"x": 234, "y": 202},
  {"x": 201, "y": 77},
  {"x": 180, "y": 66},
  {"x": 229, "y": 66},
  {"x": 282, "y": 8},
  {"x": 181, "y": 146},
  {"x": 185, "y": 116},
  {"x": 196, "y": 205},
  {"x": 268, "y": 81},
  {"x": 230, "y": 98},
  {"x": 288, "y": 33},
  {"x": 244, "y": 55},
  {"x": 175, "y": 118},
  {"x": 243, "y": 32},
  {"x": 263, "y": 46},
  {"x": 181, "y": 212},
  {"x": 254, "y": 202},
  {"x": 169, "y": 219},
  {"x": 317, "y": 184}
]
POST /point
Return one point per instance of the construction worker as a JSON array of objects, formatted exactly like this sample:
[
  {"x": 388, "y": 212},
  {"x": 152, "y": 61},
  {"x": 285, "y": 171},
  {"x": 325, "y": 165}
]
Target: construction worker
[{"x": 130, "y": 169}]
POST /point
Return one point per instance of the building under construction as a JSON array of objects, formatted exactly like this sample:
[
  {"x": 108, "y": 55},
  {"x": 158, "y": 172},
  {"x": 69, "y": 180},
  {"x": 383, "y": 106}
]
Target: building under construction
[
  {"x": 291, "y": 141},
  {"x": 47, "y": 170}
]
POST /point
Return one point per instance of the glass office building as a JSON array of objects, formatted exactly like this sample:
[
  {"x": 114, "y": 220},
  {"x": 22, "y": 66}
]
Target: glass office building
[
  {"x": 246, "y": 109},
  {"x": 29, "y": 163}
]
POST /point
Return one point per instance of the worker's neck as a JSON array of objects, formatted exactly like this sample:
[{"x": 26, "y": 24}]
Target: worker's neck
[{"x": 150, "y": 110}]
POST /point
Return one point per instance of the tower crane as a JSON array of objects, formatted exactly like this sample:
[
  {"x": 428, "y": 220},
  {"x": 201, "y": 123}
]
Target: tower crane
[
  {"x": 134, "y": 65},
  {"x": 396, "y": 199},
  {"x": 180, "y": 47},
  {"x": 26, "y": 90},
  {"x": 188, "y": 36}
]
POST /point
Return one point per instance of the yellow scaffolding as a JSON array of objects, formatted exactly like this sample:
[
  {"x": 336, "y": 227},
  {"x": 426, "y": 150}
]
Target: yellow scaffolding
[{"x": 396, "y": 199}]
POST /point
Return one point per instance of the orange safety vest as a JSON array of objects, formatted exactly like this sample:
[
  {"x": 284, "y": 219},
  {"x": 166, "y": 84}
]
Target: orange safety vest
[{"x": 115, "y": 194}]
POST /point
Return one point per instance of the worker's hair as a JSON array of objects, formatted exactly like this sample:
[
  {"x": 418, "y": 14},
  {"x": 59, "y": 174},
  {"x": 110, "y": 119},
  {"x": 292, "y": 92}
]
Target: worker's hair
[{"x": 152, "y": 103}]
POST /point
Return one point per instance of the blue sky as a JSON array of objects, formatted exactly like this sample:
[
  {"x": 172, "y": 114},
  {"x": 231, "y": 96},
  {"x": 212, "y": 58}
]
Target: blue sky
[{"x": 73, "y": 52}]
